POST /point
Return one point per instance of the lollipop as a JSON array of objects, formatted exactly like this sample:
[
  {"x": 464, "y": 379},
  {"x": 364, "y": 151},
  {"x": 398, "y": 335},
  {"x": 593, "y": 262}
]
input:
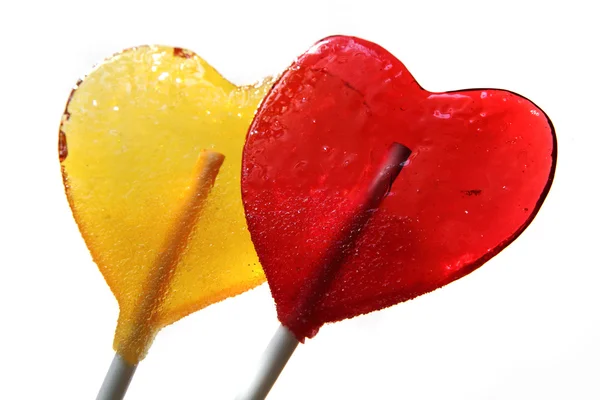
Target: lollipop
[
  {"x": 150, "y": 148},
  {"x": 482, "y": 163}
]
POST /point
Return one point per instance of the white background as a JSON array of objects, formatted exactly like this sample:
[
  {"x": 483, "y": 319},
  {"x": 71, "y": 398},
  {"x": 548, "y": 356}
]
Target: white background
[{"x": 524, "y": 326}]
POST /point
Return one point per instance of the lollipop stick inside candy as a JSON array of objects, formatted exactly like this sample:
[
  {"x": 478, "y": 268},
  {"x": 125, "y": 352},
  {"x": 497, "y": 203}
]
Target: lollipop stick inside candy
[
  {"x": 343, "y": 243},
  {"x": 282, "y": 345},
  {"x": 149, "y": 304}
]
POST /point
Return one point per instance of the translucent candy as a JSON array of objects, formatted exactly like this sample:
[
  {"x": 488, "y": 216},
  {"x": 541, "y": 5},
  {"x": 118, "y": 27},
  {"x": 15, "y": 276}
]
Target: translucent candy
[
  {"x": 482, "y": 163},
  {"x": 132, "y": 145}
]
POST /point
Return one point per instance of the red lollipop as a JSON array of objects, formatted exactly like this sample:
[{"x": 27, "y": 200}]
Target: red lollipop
[{"x": 482, "y": 163}]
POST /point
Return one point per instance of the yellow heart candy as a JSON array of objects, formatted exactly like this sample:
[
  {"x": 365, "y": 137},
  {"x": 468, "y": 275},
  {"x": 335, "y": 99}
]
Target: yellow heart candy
[{"x": 139, "y": 146}]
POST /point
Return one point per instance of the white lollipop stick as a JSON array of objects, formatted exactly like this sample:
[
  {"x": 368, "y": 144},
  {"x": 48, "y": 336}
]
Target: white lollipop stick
[
  {"x": 283, "y": 343},
  {"x": 278, "y": 352},
  {"x": 117, "y": 380}
]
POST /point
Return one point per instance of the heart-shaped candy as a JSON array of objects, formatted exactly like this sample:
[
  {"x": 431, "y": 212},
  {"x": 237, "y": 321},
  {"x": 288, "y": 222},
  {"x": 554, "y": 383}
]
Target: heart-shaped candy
[
  {"x": 131, "y": 145},
  {"x": 482, "y": 163}
]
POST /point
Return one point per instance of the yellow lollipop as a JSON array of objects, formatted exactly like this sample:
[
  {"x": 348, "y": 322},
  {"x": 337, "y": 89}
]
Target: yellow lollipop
[{"x": 140, "y": 144}]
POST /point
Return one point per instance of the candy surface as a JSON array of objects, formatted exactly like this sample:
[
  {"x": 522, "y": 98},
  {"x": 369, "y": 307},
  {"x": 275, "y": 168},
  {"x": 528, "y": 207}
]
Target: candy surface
[
  {"x": 131, "y": 145},
  {"x": 482, "y": 163}
]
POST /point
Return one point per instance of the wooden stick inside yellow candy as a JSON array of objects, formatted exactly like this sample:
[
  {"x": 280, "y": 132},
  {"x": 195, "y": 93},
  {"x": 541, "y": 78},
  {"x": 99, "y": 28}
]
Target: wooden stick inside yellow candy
[
  {"x": 129, "y": 148},
  {"x": 177, "y": 238},
  {"x": 146, "y": 321}
]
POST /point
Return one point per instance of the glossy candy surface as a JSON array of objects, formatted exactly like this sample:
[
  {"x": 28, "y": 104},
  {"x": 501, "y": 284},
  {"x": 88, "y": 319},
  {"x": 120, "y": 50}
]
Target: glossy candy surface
[
  {"x": 482, "y": 163},
  {"x": 131, "y": 147}
]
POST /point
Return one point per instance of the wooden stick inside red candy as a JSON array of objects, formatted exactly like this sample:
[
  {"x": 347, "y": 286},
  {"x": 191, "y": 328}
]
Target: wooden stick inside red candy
[
  {"x": 368, "y": 201},
  {"x": 482, "y": 164}
]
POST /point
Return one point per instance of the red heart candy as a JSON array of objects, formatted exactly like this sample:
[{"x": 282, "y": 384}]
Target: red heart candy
[{"x": 482, "y": 163}]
